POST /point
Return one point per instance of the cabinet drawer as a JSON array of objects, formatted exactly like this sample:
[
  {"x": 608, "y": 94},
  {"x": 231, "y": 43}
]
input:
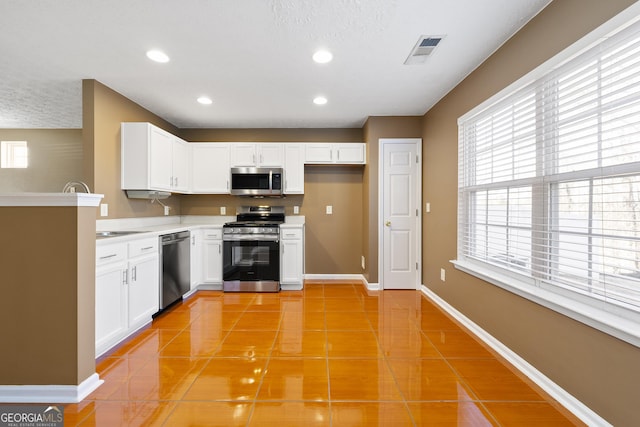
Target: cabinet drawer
[
  {"x": 143, "y": 247},
  {"x": 110, "y": 253},
  {"x": 212, "y": 233},
  {"x": 290, "y": 233}
]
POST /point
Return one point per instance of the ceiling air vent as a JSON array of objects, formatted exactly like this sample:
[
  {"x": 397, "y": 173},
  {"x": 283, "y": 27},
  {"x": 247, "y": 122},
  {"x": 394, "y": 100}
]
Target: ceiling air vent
[{"x": 423, "y": 49}]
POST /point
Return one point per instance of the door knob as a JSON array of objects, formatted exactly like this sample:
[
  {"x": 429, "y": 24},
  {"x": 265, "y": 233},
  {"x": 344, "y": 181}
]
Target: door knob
[{"x": 388, "y": 223}]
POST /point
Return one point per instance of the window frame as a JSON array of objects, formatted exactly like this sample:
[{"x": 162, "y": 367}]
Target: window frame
[{"x": 613, "y": 319}]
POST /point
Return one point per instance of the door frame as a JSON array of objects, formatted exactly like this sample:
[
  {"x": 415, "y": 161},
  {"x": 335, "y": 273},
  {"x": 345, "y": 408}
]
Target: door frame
[{"x": 418, "y": 195}]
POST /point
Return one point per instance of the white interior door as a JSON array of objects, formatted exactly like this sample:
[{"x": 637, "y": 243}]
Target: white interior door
[{"x": 400, "y": 213}]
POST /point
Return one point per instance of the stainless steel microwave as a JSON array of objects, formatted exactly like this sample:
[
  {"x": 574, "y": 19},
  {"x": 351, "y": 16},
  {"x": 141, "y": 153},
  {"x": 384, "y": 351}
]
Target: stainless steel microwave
[{"x": 256, "y": 181}]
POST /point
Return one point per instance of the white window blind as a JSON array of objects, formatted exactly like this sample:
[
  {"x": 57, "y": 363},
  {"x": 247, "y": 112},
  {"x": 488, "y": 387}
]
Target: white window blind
[
  {"x": 549, "y": 179},
  {"x": 14, "y": 154}
]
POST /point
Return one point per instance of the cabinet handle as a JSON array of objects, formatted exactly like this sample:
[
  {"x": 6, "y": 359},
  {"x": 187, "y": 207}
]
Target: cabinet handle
[
  {"x": 124, "y": 277},
  {"x": 134, "y": 274},
  {"x": 219, "y": 249},
  {"x": 193, "y": 240},
  {"x": 254, "y": 158},
  {"x": 146, "y": 248},
  {"x": 108, "y": 256},
  {"x": 290, "y": 235},
  {"x": 176, "y": 181}
]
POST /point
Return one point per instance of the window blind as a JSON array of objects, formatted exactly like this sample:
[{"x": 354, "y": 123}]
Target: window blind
[{"x": 549, "y": 178}]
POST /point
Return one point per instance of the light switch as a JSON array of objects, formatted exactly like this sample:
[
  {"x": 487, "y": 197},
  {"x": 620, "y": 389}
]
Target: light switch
[
  {"x": 104, "y": 209},
  {"x": 296, "y": 210},
  {"x": 428, "y": 207},
  {"x": 329, "y": 209},
  {"x": 223, "y": 210}
]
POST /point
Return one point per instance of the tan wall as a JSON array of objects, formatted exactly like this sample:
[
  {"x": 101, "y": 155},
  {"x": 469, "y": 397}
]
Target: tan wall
[
  {"x": 599, "y": 370},
  {"x": 51, "y": 338},
  {"x": 55, "y": 157},
  {"x": 374, "y": 129},
  {"x": 333, "y": 242},
  {"x": 103, "y": 111}
]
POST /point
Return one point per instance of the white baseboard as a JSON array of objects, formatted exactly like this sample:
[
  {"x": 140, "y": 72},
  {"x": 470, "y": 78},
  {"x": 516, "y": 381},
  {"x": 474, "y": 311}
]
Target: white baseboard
[
  {"x": 49, "y": 393},
  {"x": 572, "y": 404}
]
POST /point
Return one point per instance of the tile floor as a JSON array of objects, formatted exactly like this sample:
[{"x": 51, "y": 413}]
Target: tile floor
[{"x": 334, "y": 354}]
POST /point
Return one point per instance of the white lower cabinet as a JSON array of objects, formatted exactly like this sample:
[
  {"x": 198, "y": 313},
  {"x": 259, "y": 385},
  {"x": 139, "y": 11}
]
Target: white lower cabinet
[
  {"x": 196, "y": 258},
  {"x": 212, "y": 256},
  {"x": 127, "y": 289},
  {"x": 291, "y": 257}
]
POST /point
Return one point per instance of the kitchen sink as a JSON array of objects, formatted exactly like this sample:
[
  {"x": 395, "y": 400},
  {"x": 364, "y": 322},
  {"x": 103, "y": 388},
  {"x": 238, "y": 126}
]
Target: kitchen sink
[{"x": 105, "y": 234}]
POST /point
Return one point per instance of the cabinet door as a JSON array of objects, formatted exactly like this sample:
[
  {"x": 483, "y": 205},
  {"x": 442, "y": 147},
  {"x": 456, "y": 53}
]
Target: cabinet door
[
  {"x": 293, "y": 169},
  {"x": 111, "y": 303},
  {"x": 270, "y": 155},
  {"x": 212, "y": 262},
  {"x": 291, "y": 265},
  {"x": 161, "y": 159},
  {"x": 349, "y": 153},
  {"x": 318, "y": 153},
  {"x": 196, "y": 258},
  {"x": 210, "y": 168},
  {"x": 180, "y": 165},
  {"x": 243, "y": 154},
  {"x": 144, "y": 290}
]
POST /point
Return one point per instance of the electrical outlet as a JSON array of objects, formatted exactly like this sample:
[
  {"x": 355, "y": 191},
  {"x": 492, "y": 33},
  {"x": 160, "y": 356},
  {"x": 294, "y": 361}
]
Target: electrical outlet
[
  {"x": 223, "y": 210},
  {"x": 362, "y": 262},
  {"x": 166, "y": 210},
  {"x": 442, "y": 274},
  {"x": 104, "y": 209},
  {"x": 427, "y": 207},
  {"x": 296, "y": 210},
  {"x": 329, "y": 210}
]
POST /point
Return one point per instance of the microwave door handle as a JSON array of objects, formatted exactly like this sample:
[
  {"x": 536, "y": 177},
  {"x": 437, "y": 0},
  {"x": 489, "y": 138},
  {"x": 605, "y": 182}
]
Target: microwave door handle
[{"x": 270, "y": 180}]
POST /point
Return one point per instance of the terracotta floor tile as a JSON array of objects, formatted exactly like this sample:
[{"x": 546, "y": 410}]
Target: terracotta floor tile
[
  {"x": 300, "y": 343},
  {"x": 347, "y": 321},
  {"x": 294, "y": 414},
  {"x": 492, "y": 380},
  {"x": 428, "y": 379},
  {"x": 352, "y": 344},
  {"x": 333, "y": 354},
  {"x": 530, "y": 414},
  {"x": 358, "y": 414},
  {"x": 228, "y": 379},
  {"x": 295, "y": 379},
  {"x": 471, "y": 414},
  {"x": 247, "y": 343},
  {"x": 457, "y": 344},
  {"x": 214, "y": 414},
  {"x": 161, "y": 379},
  {"x": 397, "y": 343},
  {"x": 361, "y": 379},
  {"x": 134, "y": 413},
  {"x": 192, "y": 344},
  {"x": 258, "y": 321}
]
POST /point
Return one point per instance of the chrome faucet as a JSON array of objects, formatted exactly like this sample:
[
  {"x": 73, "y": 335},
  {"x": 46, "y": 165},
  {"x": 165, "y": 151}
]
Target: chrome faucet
[{"x": 70, "y": 187}]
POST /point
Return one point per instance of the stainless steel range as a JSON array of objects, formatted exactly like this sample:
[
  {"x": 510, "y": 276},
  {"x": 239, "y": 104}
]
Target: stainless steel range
[{"x": 251, "y": 250}]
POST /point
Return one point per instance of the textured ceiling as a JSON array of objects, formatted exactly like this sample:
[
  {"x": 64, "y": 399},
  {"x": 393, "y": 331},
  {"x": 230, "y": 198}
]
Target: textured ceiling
[{"x": 252, "y": 57}]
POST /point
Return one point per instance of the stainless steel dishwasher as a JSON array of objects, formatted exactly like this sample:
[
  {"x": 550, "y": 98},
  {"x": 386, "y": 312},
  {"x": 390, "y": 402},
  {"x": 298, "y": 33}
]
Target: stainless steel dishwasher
[{"x": 175, "y": 268}]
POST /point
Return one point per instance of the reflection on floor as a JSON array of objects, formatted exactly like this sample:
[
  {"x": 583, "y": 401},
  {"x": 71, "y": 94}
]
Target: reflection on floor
[{"x": 334, "y": 354}]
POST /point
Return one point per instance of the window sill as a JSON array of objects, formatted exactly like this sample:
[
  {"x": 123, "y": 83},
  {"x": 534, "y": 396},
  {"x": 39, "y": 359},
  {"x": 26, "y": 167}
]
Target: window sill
[{"x": 618, "y": 322}]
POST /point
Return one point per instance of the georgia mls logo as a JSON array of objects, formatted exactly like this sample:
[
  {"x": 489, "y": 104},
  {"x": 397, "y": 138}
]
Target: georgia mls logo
[{"x": 31, "y": 416}]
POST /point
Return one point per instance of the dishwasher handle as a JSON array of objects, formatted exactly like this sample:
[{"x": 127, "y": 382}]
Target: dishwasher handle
[{"x": 169, "y": 239}]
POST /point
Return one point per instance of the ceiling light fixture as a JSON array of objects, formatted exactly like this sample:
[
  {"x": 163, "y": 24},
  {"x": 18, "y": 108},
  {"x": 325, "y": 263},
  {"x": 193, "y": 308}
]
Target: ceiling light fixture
[
  {"x": 157, "y": 56},
  {"x": 322, "y": 56},
  {"x": 320, "y": 100},
  {"x": 205, "y": 100}
]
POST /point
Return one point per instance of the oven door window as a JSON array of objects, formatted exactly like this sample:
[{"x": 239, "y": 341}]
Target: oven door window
[{"x": 251, "y": 260}]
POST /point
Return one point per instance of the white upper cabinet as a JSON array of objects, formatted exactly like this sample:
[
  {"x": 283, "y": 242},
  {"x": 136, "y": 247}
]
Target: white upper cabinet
[
  {"x": 264, "y": 154},
  {"x": 153, "y": 159},
  {"x": 293, "y": 168},
  {"x": 210, "y": 168},
  {"x": 335, "y": 153}
]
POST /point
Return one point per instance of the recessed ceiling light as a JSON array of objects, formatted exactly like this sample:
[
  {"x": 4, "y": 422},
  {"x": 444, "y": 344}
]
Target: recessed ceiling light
[
  {"x": 322, "y": 56},
  {"x": 157, "y": 56},
  {"x": 205, "y": 100},
  {"x": 319, "y": 100}
]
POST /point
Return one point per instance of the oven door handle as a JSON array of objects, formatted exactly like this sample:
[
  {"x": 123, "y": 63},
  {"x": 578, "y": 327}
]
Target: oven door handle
[{"x": 250, "y": 238}]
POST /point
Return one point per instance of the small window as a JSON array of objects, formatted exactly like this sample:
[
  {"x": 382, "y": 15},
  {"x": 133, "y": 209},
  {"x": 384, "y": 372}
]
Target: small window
[{"x": 14, "y": 154}]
